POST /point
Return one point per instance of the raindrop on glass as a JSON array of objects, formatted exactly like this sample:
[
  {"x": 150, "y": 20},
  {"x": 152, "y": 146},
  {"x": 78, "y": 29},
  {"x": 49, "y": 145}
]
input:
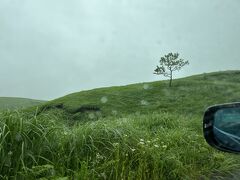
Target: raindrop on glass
[
  {"x": 104, "y": 99},
  {"x": 98, "y": 114},
  {"x": 18, "y": 137},
  {"x": 91, "y": 115},
  {"x": 114, "y": 112},
  {"x": 144, "y": 103},
  {"x": 138, "y": 113},
  {"x": 145, "y": 86}
]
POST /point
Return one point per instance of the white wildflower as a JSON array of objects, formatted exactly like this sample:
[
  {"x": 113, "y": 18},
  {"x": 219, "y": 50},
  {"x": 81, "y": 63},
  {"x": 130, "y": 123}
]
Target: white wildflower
[
  {"x": 132, "y": 149},
  {"x": 98, "y": 156},
  {"x": 141, "y": 143}
]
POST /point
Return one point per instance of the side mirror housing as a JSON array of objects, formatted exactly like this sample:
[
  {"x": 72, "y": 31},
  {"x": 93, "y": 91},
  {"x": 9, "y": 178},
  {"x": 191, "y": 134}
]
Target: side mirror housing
[{"x": 221, "y": 127}]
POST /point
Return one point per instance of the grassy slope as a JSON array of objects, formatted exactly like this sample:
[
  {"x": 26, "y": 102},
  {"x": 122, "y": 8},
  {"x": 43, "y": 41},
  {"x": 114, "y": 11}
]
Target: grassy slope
[
  {"x": 17, "y": 103},
  {"x": 150, "y": 132},
  {"x": 189, "y": 95}
]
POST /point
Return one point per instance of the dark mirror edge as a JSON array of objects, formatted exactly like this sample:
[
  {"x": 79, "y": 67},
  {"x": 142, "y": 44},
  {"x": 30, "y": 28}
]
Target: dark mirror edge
[{"x": 208, "y": 122}]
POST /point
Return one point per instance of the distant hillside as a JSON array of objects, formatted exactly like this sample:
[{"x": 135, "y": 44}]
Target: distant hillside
[
  {"x": 17, "y": 103},
  {"x": 188, "y": 95}
]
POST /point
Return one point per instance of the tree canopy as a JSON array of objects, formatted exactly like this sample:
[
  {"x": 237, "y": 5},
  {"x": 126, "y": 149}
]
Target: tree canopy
[{"x": 168, "y": 64}]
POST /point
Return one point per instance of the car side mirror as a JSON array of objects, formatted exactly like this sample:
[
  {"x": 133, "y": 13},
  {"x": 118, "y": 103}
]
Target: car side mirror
[{"x": 221, "y": 127}]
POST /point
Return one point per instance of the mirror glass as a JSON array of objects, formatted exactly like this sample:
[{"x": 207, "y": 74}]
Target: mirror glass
[{"x": 226, "y": 128}]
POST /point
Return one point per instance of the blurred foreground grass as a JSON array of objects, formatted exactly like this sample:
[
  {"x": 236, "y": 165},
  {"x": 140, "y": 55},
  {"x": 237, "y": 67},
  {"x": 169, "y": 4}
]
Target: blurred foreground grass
[{"x": 150, "y": 146}]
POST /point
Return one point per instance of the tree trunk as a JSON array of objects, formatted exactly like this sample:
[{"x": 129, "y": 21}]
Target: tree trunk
[{"x": 170, "y": 83}]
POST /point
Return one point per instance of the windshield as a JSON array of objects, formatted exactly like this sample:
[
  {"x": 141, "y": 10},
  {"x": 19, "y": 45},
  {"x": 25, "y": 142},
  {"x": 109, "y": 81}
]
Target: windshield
[{"x": 115, "y": 89}]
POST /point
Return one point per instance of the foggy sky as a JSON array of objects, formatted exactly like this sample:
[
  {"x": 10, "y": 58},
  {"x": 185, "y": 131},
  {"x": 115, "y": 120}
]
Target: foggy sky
[{"x": 50, "y": 48}]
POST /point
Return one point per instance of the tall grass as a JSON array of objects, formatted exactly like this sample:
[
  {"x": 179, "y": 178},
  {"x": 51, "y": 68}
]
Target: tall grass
[{"x": 151, "y": 146}]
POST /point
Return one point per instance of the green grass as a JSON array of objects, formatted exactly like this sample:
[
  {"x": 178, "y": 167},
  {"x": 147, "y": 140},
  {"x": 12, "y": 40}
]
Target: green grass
[
  {"x": 151, "y": 146},
  {"x": 17, "y": 103},
  {"x": 188, "y": 95},
  {"x": 133, "y": 132}
]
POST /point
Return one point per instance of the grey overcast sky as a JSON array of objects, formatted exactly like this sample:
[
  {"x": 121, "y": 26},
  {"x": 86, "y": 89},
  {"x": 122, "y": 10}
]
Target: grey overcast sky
[{"x": 50, "y": 48}]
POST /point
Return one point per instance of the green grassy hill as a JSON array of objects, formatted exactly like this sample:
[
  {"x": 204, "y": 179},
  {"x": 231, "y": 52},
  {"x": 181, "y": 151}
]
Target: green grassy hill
[
  {"x": 17, "y": 103},
  {"x": 191, "y": 95},
  {"x": 140, "y": 131}
]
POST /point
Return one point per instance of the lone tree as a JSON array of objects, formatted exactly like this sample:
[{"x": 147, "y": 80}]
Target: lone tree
[{"x": 168, "y": 64}]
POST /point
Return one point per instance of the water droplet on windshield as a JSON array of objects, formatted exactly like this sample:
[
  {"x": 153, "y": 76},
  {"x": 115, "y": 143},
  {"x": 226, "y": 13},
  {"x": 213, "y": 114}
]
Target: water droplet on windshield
[
  {"x": 104, "y": 99},
  {"x": 138, "y": 113},
  {"x": 91, "y": 115},
  {"x": 98, "y": 114},
  {"x": 145, "y": 86},
  {"x": 144, "y": 103},
  {"x": 18, "y": 137},
  {"x": 114, "y": 112}
]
